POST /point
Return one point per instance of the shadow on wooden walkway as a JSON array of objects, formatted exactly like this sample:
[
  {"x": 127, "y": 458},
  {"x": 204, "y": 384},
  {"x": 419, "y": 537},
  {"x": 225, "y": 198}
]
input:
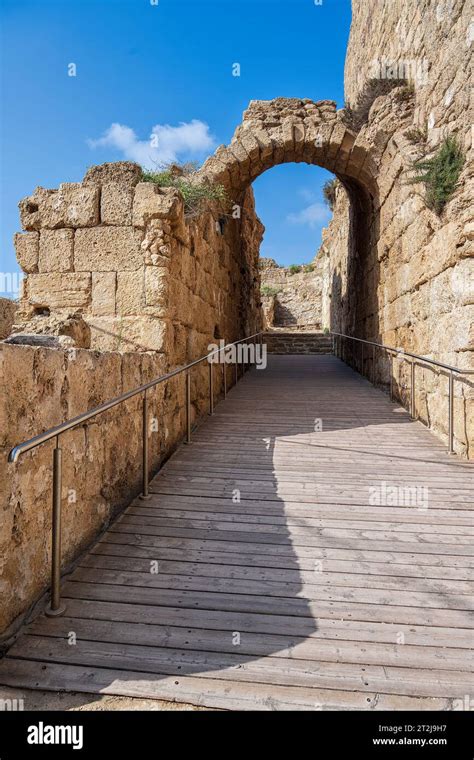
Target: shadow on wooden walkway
[{"x": 309, "y": 550}]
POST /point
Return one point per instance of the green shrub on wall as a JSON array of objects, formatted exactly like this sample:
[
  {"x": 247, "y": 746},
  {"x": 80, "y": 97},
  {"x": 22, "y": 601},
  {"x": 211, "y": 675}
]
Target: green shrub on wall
[
  {"x": 195, "y": 193},
  {"x": 440, "y": 174},
  {"x": 269, "y": 290}
]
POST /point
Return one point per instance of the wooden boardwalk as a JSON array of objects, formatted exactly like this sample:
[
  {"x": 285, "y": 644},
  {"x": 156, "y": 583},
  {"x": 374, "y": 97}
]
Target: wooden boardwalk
[{"x": 290, "y": 575}]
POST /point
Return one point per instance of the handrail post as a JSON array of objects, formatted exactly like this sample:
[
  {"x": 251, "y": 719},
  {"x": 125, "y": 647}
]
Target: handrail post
[
  {"x": 224, "y": 376},
  {"x": 391, "y": 375},
  {"x": 211, "y": 389},
  {"x": 236, "y": 368},
  {"x": 413, "y": 390},
  {"x": 56, "y": 608},
  {"x": 373, "y": 366},
  {"x": 188, "y": 407},
  {"x": 145, "y": 434},
  {"x": 451, "y": 415}
]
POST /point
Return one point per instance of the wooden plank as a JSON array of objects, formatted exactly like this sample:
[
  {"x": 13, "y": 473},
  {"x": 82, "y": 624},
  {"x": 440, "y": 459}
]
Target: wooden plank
[
  {"x": 319, "y": 575},
  {"x": 425, "y": 554},
  {"x": 336, "y": 628},
  {"x": 237, "y": 667},
  {"x": 310, "y": 610},
  {"x": 197, "y": 504},
  {"x": 216, "y": 693},
  {"x": 284, "y": 520},
  {"x": 261, "y": 537},
  {"x": 172, "y": 559},
  {"x": 304, "y": 527},
  {"x": 273, "y": 589},
  {"x": 254, "y": 644}
]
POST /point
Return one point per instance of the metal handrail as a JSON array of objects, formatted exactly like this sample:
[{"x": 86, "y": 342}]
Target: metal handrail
[
  {"x": 416, "y": 358},
  {"x": 56, "y": 607},
  {"x": 406, "y": 353}
]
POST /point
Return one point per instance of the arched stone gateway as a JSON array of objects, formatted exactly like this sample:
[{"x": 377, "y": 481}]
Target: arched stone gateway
[{"x": 288, "y": 130}]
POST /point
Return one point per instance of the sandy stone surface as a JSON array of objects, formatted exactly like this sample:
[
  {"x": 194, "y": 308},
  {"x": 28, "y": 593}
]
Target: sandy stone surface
[{"x": 72, "y": 701}]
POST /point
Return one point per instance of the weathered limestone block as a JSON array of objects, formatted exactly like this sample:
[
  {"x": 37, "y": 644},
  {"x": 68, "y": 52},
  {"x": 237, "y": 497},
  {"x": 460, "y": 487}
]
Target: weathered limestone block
[
  {"x": 299, "y": 139},
  {"x": 59, "y": 290},
  {"x": 156, "y": 286},
  {"x": 268, "y": 306},
  {"x": 116, "y": 202},
  {"x": 127, "y": 333},
  {"x": 462, "y": 282},
  {"x": 8, "y": 311},
  {"x": 63, "y": 323},
  {"x": 125, "y": 173},
  {"x": 56, "y": 250},
  {"x": 250, "y": 144},
  {"x": 72, "y": 205},
  {"x": 130, "y": 293},
  {"x": 31, "y": 208},
  {"x": 154, "y": 202},
  {"x": 104, "y": 285},
  {"x": 27, "y": 250},
  {"x": 107, "y": 249},
  {"x": 188, "y": 268}
]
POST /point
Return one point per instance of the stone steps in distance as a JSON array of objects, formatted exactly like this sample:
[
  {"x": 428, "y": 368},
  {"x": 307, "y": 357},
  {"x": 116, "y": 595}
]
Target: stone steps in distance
[{"x": 298, "y": 343}]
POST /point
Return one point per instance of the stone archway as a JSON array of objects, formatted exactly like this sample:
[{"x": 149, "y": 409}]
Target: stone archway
[{"x": 288, "y": 130}]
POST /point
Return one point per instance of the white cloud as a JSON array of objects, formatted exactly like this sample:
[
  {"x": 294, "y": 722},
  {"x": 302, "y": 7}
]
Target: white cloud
[
  {"x": 166, "y": 143},
  {"x": 312, "y": 215},
  {"x": 307, "y": 195}
]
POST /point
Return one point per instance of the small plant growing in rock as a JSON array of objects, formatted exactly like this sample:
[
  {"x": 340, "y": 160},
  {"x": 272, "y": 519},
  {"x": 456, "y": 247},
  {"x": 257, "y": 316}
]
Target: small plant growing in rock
[
  {"x": 294, "y": 268},
  {"x": 182, "y": 176},
  {"x": 405, "y": 93},
  {"x": 440, "y": 173},
  {"x": 417, "y": 135},
  {"x": 357, "y": 115},
  {"x": 329, "y": 192},
  {"x": 308, "y": 267},
  {"x": 269, "y": 290}
]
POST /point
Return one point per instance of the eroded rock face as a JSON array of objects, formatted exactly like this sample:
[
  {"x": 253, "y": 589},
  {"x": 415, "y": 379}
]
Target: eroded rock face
[
  {"x": 8, "y": 311},
  {"x": 64, "y": 328},
  {"x": 293, "y": 297},
  {"x": 72, "y": 205}
]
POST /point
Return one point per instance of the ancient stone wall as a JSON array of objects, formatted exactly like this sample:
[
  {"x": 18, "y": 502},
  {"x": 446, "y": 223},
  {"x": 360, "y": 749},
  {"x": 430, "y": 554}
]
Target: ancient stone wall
[
  {"x": 297, "y": 295},
  {"x": 116, "y": 264},
  {"x": 101, "y": 462},
  {"x": 413, "y": 285},
  {"x": 7, "y": 316}
]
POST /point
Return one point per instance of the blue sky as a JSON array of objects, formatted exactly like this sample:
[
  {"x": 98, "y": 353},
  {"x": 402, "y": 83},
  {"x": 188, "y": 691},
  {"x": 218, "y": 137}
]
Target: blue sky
[{"x": 153, "y": 67}]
